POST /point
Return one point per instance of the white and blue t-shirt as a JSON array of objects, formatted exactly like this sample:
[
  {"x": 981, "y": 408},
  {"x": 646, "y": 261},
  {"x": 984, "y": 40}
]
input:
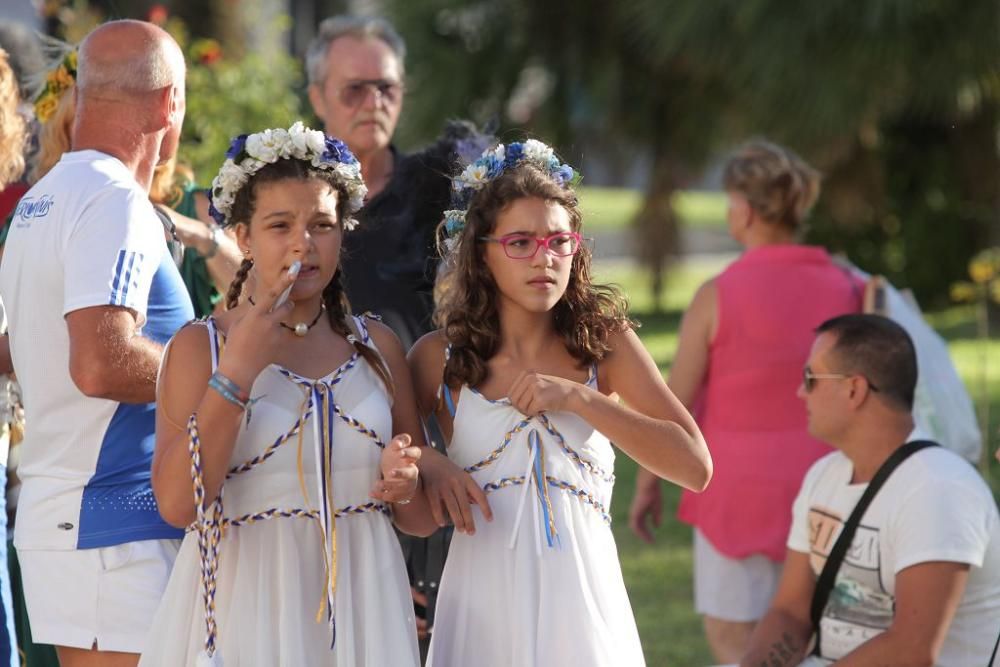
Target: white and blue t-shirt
[{"x": 85, "y": 235}]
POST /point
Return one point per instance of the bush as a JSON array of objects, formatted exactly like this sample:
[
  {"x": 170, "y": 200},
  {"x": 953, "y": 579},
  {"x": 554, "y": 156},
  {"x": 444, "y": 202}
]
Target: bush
[{"x": 230, "y": 96}]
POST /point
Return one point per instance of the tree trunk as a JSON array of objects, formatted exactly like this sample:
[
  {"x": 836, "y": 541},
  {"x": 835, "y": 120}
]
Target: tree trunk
[{"x": 656, "y": 223}]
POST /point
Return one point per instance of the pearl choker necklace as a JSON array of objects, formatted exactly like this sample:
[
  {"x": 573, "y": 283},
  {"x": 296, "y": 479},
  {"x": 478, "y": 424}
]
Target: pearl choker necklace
[{"x": 301, "y": 328}]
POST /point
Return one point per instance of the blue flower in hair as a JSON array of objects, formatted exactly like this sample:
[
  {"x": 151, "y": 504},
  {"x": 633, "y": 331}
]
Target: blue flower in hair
[
  {"x": 563, "y": 174},
  {"x": 454, "y": 221},
  {"x": 337, "y": 151},
  {"x": 515, "y": 152},
  {"x": 236, "y": 147},
  {"x": 214, "y": 212}
]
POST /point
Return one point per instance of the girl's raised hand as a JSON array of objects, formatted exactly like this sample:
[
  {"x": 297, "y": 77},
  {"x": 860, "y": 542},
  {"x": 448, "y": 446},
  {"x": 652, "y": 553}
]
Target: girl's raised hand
[
  {"x": 532, "y": 393},
  {"x": 400, "y": 475},
  {"x": 253, "y": 340}
]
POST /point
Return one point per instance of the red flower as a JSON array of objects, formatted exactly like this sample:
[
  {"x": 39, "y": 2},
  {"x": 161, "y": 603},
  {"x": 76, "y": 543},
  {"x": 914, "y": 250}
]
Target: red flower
[{"x": 158, "y": 15}]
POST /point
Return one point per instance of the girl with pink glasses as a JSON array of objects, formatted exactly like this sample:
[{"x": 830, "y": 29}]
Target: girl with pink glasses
[{"x": 524, "y": 377}]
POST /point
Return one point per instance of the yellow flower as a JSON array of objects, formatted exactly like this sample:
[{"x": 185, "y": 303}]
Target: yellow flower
[
  {"x": 963, "y": 292},
  {"x": 62, "y": 78},
  {"x": 981, "y": 269},
  {"x": 46, "y": 106}
]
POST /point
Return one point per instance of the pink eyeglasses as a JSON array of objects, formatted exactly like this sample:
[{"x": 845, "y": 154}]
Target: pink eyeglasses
[{"x": 523, "y": 246}]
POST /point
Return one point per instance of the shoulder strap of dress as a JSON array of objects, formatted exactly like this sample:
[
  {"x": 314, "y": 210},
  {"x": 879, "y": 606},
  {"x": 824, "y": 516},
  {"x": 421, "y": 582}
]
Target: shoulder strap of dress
[
  {"x": 215, "y": 341},
  {"x": 357, "y": 327}
]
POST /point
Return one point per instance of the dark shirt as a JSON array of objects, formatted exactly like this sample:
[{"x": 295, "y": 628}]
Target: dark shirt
[{"x": 389, "y": 261}]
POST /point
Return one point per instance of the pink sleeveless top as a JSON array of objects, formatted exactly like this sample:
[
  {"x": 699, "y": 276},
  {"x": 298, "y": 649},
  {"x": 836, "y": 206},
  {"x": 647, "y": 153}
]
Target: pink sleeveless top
[{"x": 769, "y": 302}]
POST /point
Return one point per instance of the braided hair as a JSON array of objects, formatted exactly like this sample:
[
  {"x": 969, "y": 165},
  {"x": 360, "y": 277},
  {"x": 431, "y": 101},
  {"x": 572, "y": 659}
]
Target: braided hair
[{"x": 236, "y": 287}]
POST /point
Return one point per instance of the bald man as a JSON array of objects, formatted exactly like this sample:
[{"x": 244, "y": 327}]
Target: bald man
[{"x": 92, "y": 295}]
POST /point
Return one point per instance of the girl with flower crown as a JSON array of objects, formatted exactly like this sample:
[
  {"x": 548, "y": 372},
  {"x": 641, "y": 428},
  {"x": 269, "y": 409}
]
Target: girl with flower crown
[
  {"x": 524, "y": 377},
  {"x": 274, "y": 437}
]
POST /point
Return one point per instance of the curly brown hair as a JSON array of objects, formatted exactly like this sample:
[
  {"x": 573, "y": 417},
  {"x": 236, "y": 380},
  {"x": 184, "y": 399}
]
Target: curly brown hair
[
  {"x": 338, "y": 309},
  {"x": 465, "y": 293}
]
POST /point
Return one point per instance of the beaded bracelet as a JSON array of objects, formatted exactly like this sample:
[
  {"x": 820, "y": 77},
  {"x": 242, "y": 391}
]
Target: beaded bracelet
[{"x": 216, "y": 383}]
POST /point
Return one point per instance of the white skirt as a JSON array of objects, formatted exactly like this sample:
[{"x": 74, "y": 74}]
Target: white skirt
[{"x": 270, "y": 587}]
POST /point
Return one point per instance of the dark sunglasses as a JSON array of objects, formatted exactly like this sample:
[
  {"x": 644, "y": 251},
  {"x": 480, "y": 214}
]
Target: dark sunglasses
[
  {"x": 355, "y": 93},
  {"x": 809, "y": 378}
]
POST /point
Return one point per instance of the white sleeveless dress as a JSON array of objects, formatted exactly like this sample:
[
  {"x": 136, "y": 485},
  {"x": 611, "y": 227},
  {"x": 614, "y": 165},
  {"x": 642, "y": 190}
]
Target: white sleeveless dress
[
  {"x": 541, "y": 584},
  {"x": 271, "y": 580}
]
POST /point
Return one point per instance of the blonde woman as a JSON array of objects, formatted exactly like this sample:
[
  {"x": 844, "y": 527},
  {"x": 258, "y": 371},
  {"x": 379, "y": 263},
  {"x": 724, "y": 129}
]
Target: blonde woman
[{"x": 12, "y": 136}]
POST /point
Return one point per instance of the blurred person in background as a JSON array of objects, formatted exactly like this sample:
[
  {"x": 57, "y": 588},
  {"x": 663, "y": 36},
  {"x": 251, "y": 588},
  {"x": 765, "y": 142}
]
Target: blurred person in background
[
  {"x": 743, "y": 342},
  {"x": 12, "y": 143}
]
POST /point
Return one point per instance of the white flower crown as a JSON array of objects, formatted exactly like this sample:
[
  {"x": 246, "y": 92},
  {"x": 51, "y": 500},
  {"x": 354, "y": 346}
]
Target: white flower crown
[{"x": 249, "y": 153}]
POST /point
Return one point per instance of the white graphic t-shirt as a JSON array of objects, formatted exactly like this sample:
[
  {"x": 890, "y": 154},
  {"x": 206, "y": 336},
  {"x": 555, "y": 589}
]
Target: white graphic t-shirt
[
  {"x": 85, "y": 236},
  {"x": 934, "y": 507}
]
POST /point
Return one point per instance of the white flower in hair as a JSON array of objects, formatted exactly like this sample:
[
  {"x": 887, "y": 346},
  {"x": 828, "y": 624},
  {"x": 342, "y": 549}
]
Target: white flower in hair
[
  {"x": 474, "y": 174},
  {"x": 230, "y": 176},
  {"x": 315, "y": 142},
  {"x": 536, "y": 151},
  {"x": 262, "y": 146}
]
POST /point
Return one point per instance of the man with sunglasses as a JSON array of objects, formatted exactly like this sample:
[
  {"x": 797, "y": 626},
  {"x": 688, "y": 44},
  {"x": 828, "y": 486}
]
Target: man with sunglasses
[
  {"x": 920, "y": 582},
  {"x": 356, "y": 73}
]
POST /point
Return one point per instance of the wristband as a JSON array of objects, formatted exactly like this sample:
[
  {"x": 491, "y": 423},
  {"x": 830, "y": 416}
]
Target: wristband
[
  {"x": 225, "y": 388},
  {"x": 232, "y": 386},
  {"x": 214, "y": 233}
]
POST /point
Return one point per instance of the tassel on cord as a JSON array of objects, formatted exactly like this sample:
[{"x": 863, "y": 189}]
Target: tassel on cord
[
  {"x": 535, "y": 476},
  {"x": 542, "y": 488},
  {"x": 323, "y": 426},
  {"x": 524, "y": 494}
]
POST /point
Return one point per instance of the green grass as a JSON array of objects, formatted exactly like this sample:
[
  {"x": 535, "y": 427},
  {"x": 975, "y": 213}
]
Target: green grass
[
  {"x": 658, "y": 576},
  {"x": 610, "y": 209}
]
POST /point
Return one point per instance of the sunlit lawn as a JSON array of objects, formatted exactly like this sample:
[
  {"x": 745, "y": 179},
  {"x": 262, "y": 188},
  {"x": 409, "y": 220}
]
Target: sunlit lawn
[
  {"x": 607, "y": 209},
  {"x": 659, "y": 576}
]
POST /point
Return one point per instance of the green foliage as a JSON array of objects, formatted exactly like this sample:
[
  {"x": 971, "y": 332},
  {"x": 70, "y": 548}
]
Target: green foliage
[
  {"x": 907, "y": 89},
  {"x": 926, "y": 205},
  {"x": 227, "y": 96}
]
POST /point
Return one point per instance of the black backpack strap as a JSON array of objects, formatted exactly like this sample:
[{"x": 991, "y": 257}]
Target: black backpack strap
[
  {"x": 993, "y": 656},
  {"x": 828, "y": 576}
]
